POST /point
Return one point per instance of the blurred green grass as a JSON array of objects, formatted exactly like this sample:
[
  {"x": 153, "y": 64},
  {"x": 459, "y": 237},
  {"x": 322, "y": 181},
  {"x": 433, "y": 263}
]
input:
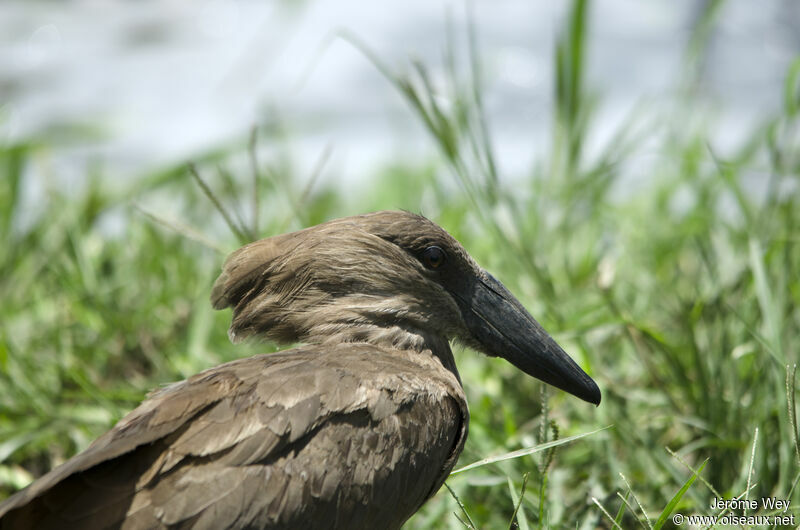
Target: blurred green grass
[{"x": 679, "y": 297}]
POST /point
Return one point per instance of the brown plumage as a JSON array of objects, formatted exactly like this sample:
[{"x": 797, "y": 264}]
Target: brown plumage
[{"x": 356, "y": 429}]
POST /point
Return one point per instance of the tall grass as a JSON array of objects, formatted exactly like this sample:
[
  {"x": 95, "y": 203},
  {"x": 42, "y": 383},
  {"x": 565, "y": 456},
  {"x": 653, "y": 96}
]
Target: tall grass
[{"x": 679, "y": 298}]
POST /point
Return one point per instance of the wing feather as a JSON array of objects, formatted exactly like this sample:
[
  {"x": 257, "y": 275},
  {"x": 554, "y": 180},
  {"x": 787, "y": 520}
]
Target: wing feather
[{"x": 283, "y": 440}]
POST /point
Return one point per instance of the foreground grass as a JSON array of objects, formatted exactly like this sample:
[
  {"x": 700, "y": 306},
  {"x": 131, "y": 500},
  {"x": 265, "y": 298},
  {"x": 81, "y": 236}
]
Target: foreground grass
[{"x": 680, "y": 299}]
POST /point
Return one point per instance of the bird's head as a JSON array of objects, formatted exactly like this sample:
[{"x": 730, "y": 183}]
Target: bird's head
[{"x": 391, "y": 277}]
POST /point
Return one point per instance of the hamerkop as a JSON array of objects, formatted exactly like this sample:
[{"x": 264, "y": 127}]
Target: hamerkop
[{"x": 355, "y": 429}]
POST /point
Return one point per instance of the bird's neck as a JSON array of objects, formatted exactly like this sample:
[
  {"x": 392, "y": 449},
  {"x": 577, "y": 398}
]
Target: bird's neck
[
  {"x": 392, "y": 337},
  {"x": 392, "y": 323}
]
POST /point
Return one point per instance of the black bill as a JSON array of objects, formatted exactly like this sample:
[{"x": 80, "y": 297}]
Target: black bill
[{"x": 502, "y": 327}]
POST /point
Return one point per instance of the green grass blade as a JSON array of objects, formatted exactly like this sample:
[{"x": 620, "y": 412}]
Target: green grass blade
[
  {"x": 677, "y": 497},
  {"x": 766, "y": 300},
  {"x": 519, "y": 513},
  {"x": 469, "y": 523},
  {"x": 791, "y": 373},
  {"x": 792, "y": 89},
  {"x": 236, "y": 229},
  {"x": 605, "y": 512},
  {"x": 527, "y": 451}
]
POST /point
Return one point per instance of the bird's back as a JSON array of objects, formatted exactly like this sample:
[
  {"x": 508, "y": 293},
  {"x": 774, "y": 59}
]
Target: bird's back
[{"x": 343, "y": 436}]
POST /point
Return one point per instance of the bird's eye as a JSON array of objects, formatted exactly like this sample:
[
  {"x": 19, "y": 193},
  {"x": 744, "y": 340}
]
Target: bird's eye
[{"x": 433, "y": 257}]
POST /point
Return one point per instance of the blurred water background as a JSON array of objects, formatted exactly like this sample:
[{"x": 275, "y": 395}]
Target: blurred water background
[{"x": 138, "y": 85}]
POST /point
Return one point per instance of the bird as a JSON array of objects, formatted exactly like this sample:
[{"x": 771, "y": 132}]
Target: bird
[{"x": 356, "y": 427}]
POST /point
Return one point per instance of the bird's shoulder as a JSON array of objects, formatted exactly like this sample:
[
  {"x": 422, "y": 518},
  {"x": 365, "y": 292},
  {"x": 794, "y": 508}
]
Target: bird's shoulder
[{"x": 281, "y": 397}]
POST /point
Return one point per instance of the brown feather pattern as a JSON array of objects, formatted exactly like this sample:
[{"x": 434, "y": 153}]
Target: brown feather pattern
[{"x": 308, "y": 430}]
